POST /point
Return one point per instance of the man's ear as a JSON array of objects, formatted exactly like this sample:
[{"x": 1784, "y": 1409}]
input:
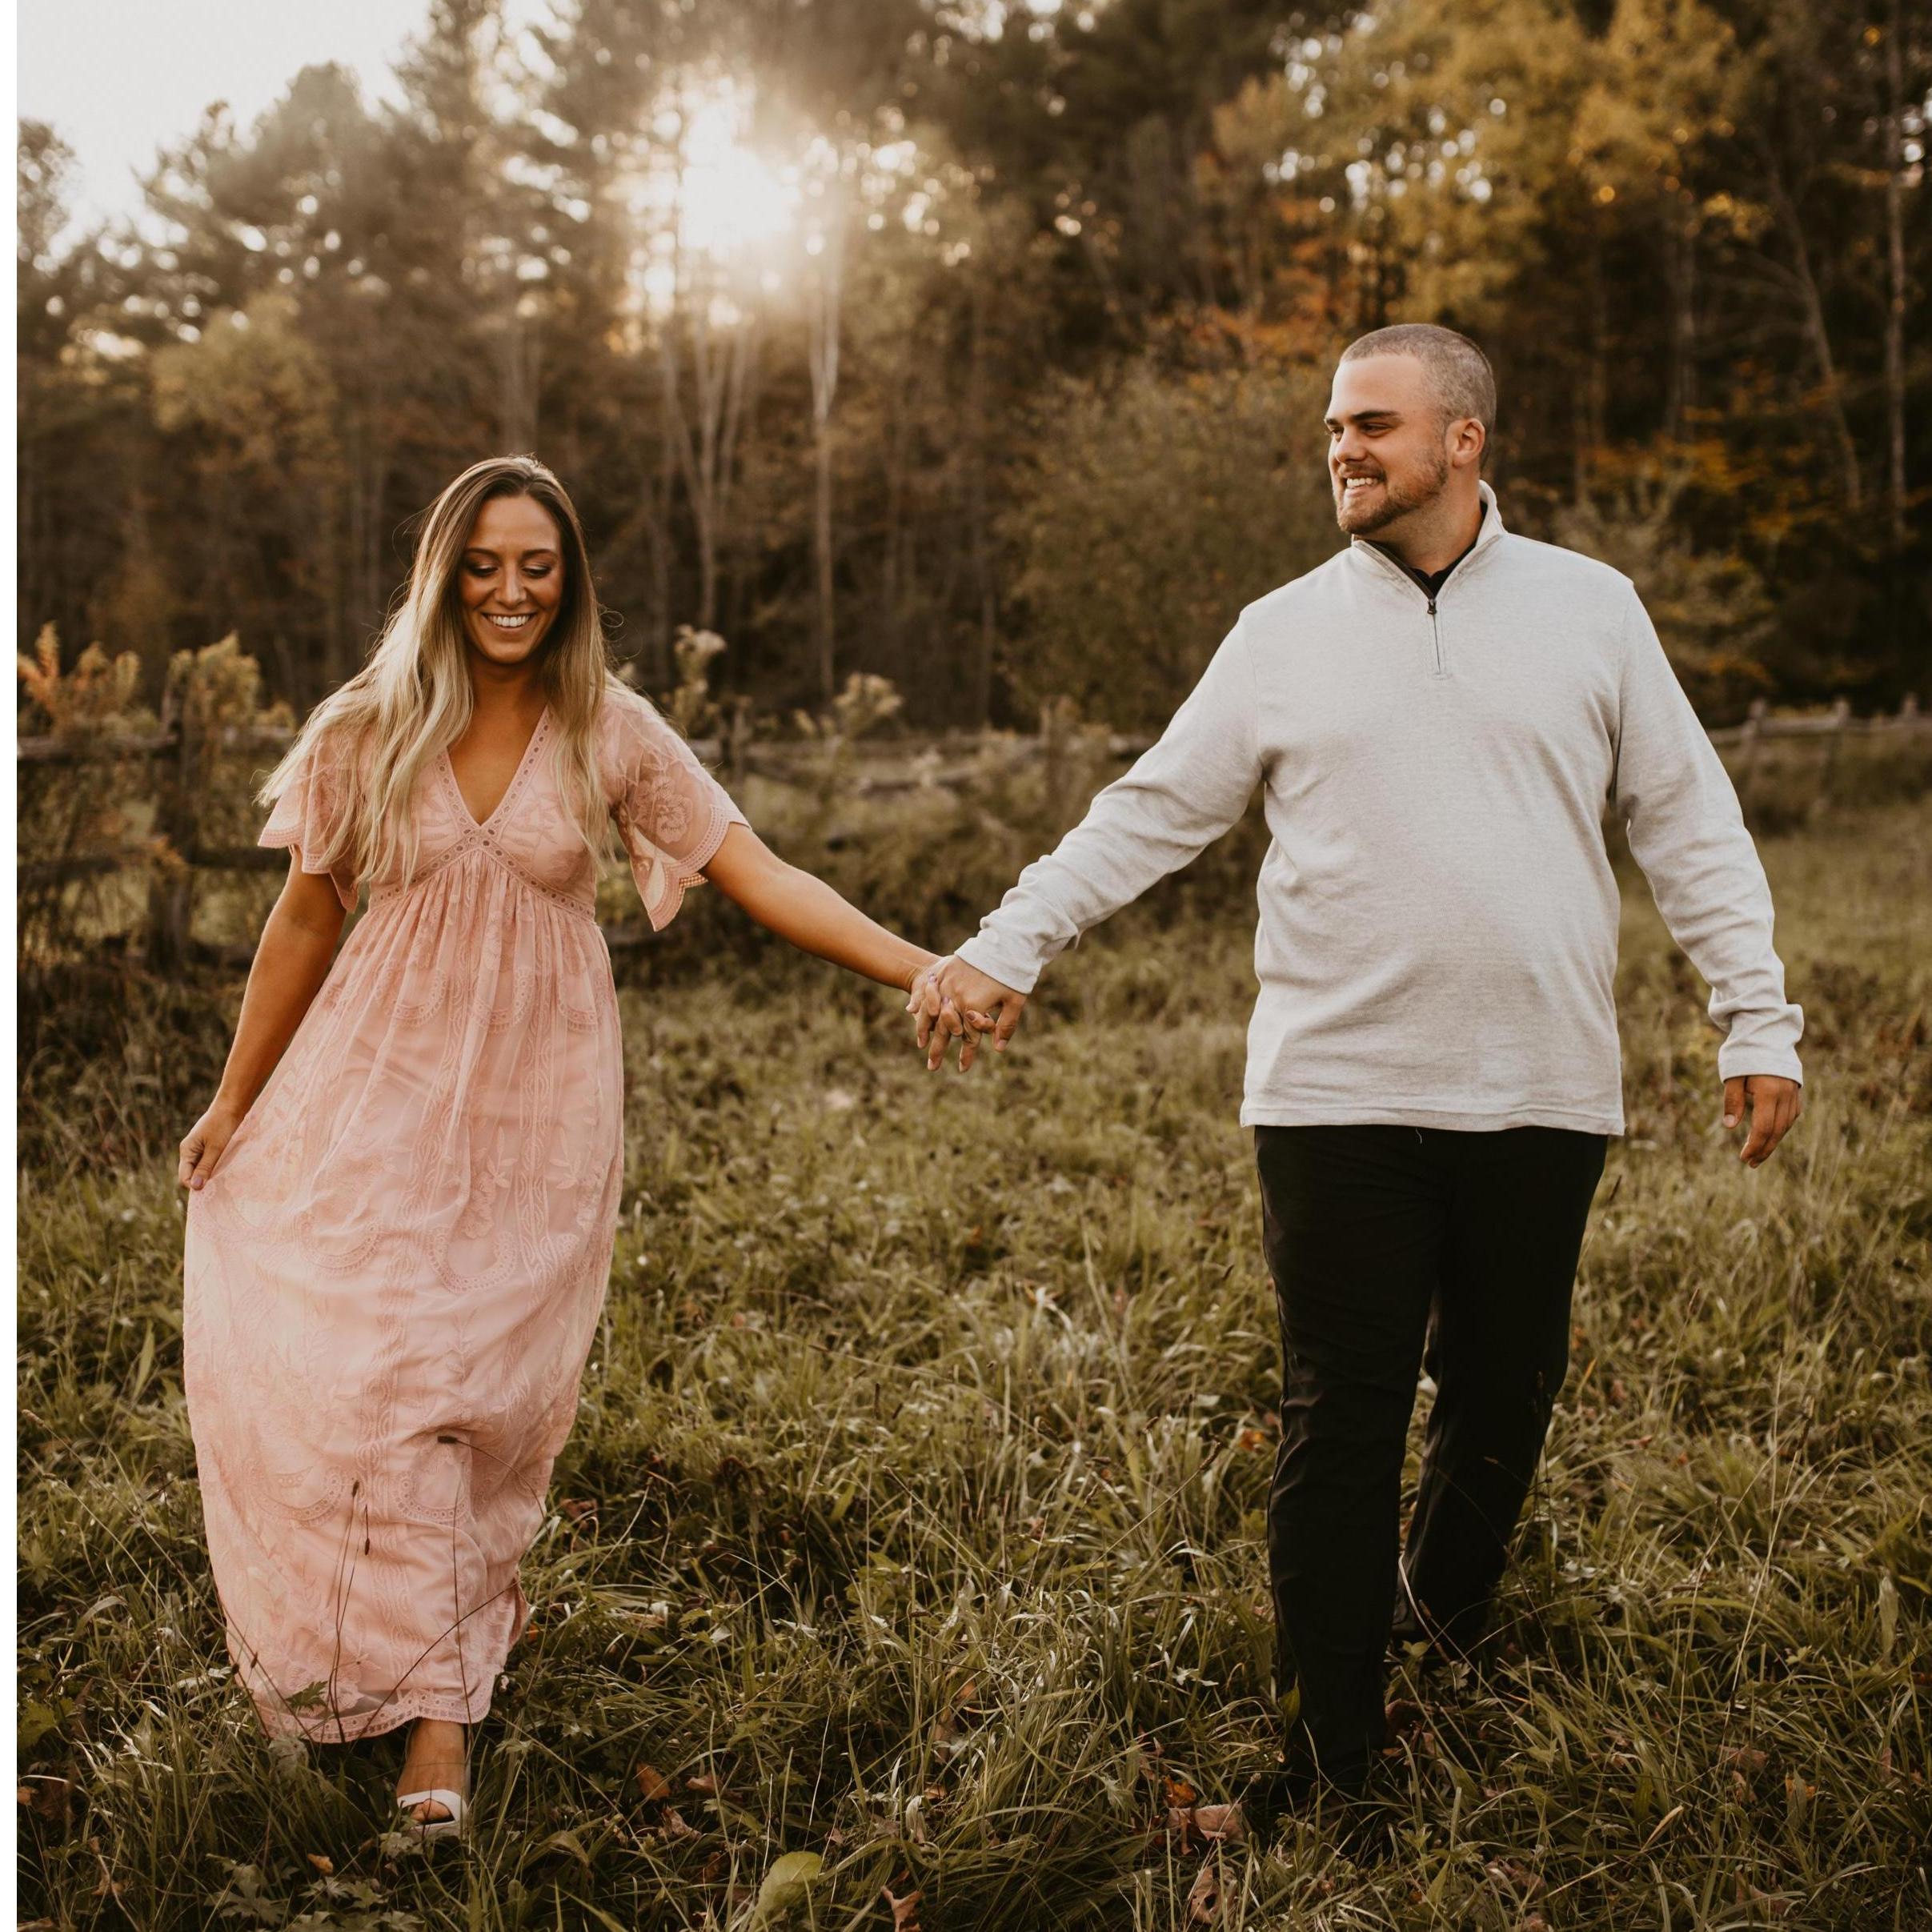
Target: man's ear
[{"x": 1468, "y": 442}]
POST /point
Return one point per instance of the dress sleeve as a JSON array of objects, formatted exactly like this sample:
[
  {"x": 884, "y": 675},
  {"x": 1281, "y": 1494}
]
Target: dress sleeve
[
  {"x": 312, "y": 815},
  {"x": 671, "y": 813}
]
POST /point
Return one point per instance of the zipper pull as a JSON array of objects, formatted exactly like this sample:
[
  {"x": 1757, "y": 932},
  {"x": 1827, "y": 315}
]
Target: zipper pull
[{"x": 1431, "y": 607}]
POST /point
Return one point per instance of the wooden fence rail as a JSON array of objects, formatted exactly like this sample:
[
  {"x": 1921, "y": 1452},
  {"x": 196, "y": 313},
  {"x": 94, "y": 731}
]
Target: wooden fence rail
[
  {"x": 793, "y": 763},
  {"x": 881, "y": 768}
]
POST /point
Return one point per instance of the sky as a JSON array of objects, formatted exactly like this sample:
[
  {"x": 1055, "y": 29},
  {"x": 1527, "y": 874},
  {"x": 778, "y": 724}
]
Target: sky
[{"x": 119, "y": 78}]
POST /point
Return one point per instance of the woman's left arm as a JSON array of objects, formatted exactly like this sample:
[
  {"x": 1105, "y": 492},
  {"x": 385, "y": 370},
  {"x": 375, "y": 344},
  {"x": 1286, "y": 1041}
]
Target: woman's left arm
[{"x": 807, "y": 911}]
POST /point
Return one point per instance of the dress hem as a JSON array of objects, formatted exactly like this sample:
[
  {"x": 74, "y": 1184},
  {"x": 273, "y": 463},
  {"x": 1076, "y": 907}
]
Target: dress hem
[{"x": 318, "y": 1729}]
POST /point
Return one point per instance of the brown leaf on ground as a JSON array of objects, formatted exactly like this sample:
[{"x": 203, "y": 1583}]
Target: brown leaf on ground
[
  {"x": 1742, "y": 1757},
  {"x": 653, "y": 1786},
  {"x": 51, "y": 1798},
  {"x": 905, "y": 1910},
  {"x": 323, "y": 1862},
  {"x": 673, "y": 1825},
  {"x": 704, "y": 1784},
  {"x": 1208, "y": 1824},
  {"x": 1180, "y": 1792},
  {"x": 1204, "y": 1897},
  {"x": 1768, "y": 1904},
  {"x": 1511, "y": 1875},
  {"x": 1402, "y": 1717},
  {"x": 948, "y": 1727},
  {"x": 1224, "y": 1824}
]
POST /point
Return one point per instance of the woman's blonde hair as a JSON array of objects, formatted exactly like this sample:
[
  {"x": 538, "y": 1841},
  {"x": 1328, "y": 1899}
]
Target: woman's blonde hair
[{"x": 413, "y": 699}]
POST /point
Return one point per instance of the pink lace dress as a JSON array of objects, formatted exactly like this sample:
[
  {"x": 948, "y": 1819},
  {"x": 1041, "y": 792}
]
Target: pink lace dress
[{"x": 393, "y": 1278}]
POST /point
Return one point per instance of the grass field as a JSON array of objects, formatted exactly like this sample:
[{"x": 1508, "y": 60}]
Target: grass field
[{"x": 913, "y": 1515}]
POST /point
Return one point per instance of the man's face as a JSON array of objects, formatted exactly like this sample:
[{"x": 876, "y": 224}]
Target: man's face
[{"x": 1387, "y": 443}]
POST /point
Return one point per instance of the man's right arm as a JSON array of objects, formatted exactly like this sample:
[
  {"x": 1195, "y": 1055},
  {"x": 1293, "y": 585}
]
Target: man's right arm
[{"x": 1177, "y": 798}]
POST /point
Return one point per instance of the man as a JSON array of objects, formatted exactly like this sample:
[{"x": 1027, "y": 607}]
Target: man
[{"x": 1439, "y": 715}]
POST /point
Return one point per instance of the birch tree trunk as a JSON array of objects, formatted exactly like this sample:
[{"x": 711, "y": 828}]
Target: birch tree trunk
[
  {"x": 976, "y": 506},
  {"x": 1894, "y": 242},
  {"x": 823, "y": 306}
]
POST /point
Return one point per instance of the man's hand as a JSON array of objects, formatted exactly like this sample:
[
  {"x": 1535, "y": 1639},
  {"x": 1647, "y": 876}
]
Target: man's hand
[
  {"x": 1774, "y": 1103},
  {"x": 954, "y": 1000}
]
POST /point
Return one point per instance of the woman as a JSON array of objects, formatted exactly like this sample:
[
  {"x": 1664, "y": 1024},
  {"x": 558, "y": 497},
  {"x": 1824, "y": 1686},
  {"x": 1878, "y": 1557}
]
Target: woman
[{"x": 398, "y": 1239}]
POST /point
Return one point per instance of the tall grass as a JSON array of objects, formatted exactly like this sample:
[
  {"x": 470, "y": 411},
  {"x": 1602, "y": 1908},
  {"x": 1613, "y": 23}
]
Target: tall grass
[{"x": 913, "y": 1515}]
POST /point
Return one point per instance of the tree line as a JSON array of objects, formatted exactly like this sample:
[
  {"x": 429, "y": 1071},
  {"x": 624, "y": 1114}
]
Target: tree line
[{"x": 984, "y": 346}]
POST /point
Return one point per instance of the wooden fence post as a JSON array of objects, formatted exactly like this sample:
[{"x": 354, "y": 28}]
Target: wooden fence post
[
  {"x": 1840, "y": 712},
  {"x": 171, "y": 892},
  {"x": 737, "y": 735},
  {"x": 1748, "y": 738}
]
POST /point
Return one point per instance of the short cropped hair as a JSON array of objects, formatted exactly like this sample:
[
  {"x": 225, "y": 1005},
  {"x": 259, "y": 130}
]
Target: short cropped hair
[{"x": 1458, "y": 371}]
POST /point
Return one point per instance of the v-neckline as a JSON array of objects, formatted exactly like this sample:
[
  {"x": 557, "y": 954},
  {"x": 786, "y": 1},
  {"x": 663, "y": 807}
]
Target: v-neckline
[{"x": 496, "y": 810}]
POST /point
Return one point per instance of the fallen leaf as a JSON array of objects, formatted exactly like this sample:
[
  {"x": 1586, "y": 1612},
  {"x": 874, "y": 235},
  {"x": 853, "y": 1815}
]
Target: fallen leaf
[
  {"x": 1514, "y": 1878},
  {"x": 653, "y": 1787},
  {"x": 704, "y": 1784},
  {"x": 785, "y": 1884},
  {"x": 1180, "y": 1792},
  {"x": 905, "y": 1911},
  {"x": 1204, "y": 1896},
  {"x": 1402, "y": 1717},
  {"x": 1742, "y": 1757},
  {"x": 1211, "y": 1824},
  {"x": 323, "y": 1862}
]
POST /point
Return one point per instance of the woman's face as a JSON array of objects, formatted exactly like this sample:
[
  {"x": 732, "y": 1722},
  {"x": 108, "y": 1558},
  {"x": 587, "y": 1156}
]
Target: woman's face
[{"x": 511, "y": 578}]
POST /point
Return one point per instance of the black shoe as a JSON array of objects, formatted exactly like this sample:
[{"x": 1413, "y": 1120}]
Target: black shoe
[
  {"x": 1292, "y": 1788},
  {"x": 1365, "y": 1829},
  {"x": 1270, "y": 1795}
]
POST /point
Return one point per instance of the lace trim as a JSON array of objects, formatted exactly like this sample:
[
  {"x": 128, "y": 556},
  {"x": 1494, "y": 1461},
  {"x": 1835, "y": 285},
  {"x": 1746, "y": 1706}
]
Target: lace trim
[
  {"x": 681, "y": 875},
  {"x": 331, "y": 1727},
  {"x": 479, "y": 841},
  {"x": 501, "y": 807}
]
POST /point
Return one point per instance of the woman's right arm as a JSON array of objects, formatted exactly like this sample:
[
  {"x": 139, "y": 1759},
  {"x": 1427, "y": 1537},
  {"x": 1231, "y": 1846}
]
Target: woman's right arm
[{"x": 290, "y": 964}]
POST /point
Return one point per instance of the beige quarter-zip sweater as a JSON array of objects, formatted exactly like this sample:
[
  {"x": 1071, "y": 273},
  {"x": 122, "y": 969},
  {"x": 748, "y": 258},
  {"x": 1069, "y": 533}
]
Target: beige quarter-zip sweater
[{"x": 1438, "y": 915}]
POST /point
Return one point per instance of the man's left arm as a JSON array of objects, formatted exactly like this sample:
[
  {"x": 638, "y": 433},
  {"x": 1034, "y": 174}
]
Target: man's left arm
[{"x": 1687, "y": 832}]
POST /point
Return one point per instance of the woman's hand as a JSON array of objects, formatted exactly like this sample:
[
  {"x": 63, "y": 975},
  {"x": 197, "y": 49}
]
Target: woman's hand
[
  {"x": 956, "y": 1001},
  {"x": 202, "y": 1149}
]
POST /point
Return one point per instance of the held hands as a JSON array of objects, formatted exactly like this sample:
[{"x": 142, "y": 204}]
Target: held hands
[
  {"x": 956, "y": 1001},
  {"x": 1774, "y": 1103},
  {"x": 202, "y": 1149}
]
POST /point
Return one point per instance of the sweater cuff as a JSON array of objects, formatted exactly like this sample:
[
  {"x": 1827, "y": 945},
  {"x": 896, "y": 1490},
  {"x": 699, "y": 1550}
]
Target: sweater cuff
[
  {"x": 1740, "y": 1060},
  {"x": 985, "y": 954}
]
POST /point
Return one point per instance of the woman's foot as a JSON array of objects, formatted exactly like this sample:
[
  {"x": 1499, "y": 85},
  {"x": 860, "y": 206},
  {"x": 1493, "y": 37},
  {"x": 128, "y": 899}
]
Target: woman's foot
[{"x": 437, "y": 1759}]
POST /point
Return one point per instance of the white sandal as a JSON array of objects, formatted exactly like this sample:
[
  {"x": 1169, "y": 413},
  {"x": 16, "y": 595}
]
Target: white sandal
[{"x": 452, "y": 1801}]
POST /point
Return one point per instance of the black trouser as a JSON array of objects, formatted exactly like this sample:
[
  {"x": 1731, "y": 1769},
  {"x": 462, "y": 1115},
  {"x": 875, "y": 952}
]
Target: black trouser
[{"x": 1392, "y": 1247}]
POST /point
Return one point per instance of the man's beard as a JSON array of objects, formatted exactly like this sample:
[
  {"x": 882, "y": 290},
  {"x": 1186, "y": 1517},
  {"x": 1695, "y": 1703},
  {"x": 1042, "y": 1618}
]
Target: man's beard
[{"x": 1394, "y": 499}]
